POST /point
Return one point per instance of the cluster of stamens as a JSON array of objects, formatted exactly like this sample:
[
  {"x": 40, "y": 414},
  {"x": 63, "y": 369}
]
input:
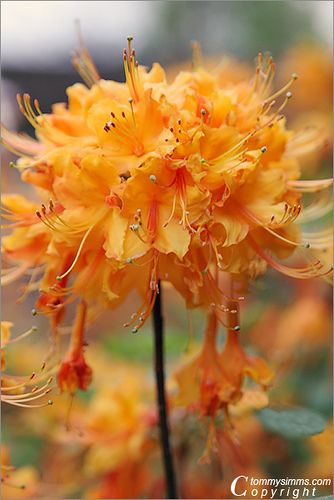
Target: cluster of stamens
[{"x": 23, "y": 391}]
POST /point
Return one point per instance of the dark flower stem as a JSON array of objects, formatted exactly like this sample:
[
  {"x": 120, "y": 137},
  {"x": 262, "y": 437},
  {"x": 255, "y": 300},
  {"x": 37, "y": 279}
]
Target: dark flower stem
[{"x": 158, "y": 325}]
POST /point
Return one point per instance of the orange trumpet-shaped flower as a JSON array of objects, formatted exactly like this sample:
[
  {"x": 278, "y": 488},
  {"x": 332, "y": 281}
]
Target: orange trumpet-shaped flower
[
  {"x": 203, "y": 383},
  {"x": 214, "y": 380},
  {"x": 74, "y": 373}
]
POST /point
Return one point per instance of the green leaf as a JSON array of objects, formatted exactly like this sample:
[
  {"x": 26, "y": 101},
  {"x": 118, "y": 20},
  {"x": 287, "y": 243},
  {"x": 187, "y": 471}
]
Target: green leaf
[{"x": 292, "y": 422}]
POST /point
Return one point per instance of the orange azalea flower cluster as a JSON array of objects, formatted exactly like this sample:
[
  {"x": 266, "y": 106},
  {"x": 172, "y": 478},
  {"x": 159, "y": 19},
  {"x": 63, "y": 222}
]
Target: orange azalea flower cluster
[{"x": 190, "y": 182}]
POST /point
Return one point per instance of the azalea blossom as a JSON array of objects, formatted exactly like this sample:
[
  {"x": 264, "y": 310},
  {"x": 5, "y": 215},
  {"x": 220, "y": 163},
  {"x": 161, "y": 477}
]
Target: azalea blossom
[{"x": 147, "y": 181}]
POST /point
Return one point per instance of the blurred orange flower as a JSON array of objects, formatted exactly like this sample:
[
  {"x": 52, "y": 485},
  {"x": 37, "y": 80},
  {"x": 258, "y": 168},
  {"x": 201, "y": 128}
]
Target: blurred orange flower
[{"x": 19, "y": 483}]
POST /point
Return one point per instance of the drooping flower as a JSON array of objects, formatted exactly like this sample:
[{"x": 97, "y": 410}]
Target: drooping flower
[
  {"x": 74, "y": 373},
  {"x": 148, "y": 181},
  {"x": 115, "y": 431},
  {"x": 214, "y": 379}
]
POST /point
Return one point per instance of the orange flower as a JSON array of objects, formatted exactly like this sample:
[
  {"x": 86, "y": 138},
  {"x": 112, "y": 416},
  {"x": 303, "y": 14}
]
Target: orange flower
[
  {"x": 203, "y": 383},
  {"x": 116, "y": 484},
  {"x": 74, "y": 373},
  {"x": 313, "y": 102},
  {"x": 200, "y": 175},
  {"x": 214, "y": 380},
  {"x": 313, "y": 63}
]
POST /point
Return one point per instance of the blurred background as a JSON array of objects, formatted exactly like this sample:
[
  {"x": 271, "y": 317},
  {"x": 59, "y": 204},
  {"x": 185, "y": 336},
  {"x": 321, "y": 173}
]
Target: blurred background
[
  {"x": 288, "y": 324},
  {"x": 38, "y": 38}
]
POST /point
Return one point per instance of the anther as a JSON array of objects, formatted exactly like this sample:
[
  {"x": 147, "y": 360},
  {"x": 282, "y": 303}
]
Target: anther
[
  {"x": 294, "y": 76},
  {"x": 33, "y": 312},
  {"x": 203, "y": 112},
  {"x": 263, "y": 149},
  {"x": 153, "y": 178},
  {"x": 236, "y": 328},
  {"x": 129, "y": 260},
  {"x": 307, "y": 244},
  {"x": 288, "y": 95}
]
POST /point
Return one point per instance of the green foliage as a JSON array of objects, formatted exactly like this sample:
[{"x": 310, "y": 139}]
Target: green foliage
[
  {"x": 240, "y": 28},
  {"x": 25, "y": 450},
  {"x": 292, "y": 422},
  {"x": 139, "y": 347}
]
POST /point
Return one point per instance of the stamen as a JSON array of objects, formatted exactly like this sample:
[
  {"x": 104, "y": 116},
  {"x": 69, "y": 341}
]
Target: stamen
[
  {"x": 283, "y": 89},
  {"x": 316, "y": 210},
  {"x": 312, "y": 271},
  {"x": 77, "y": 255},
  {"x": 33, "y": 329},
  {"x": 131, "y": 72},
  {"x": 196, "y": 55},
  {"x": 308, "y": 186},
  {"x": 251, "y": 217},
  {"x": 83, "y": 62},
  {"x": 19, "y": 271}
]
